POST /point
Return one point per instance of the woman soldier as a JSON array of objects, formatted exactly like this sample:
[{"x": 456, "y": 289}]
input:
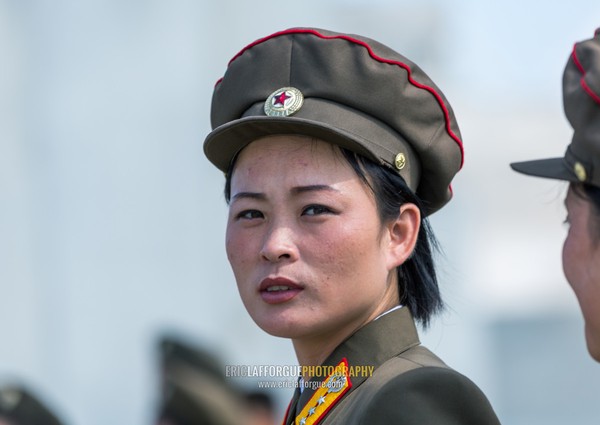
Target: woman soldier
[
  {"x": 581, "y": 167},
  {"x": 335, "y": 149}
]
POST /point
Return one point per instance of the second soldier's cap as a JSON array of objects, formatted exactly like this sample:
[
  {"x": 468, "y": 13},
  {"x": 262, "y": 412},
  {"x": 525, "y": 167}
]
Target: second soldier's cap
[
  {"x": 20, "y": 406},
  {"x": 581, "y": 98},
  {"x": 347, "y": 90},
  {"x": 195, "y": 389}
]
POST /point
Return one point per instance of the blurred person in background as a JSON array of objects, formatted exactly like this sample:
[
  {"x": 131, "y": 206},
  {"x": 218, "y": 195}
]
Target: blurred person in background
[
  {"x": 193, "y": 388},
  {"x": 580, "y": 166},
  {"x": 259, "y": 409},
  {"x": 335, "y": 150},
  {"x": 19, "y": 406}
]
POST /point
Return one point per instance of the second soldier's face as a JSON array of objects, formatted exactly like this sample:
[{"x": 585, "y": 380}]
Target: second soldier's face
[
  {"x": 581, "y": 264},
  {"x": 305, "y": 242}
]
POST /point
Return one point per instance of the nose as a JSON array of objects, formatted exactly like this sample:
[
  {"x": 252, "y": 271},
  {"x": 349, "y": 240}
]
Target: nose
[{"x": 279, "y": 244}]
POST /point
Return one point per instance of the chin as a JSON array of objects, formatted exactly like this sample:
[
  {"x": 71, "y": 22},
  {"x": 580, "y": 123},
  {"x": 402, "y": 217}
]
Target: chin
[
  {"x": 595, "y": 354},
  {"x": 280, "y": 331},
  {"x": 593, "y": 345},
  {"x": 282, "y": 325}
]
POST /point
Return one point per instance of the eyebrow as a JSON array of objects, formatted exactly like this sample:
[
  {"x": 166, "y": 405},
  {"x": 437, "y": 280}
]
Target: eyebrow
[
  {"x": 295, "y": 190},
  {"x": 248, "y": 195},
  {"x": 313, "y": 188}
]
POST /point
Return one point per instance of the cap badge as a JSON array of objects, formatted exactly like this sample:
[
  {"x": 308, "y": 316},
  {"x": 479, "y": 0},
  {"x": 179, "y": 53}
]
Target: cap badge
[
  {"x": 580, "y": 172},
  {"x": 284, "y": 102},
  {"x": 400, "y": 161}
]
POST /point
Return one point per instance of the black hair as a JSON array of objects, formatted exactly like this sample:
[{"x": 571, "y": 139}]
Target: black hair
[
  {"x": 417, "y": 279},
  {"x": 591, "y": 193}
]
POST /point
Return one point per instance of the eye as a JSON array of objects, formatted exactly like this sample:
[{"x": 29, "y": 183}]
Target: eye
[
  {"x": 312, "y": 210},
  {"x": 249, "y": 215}
]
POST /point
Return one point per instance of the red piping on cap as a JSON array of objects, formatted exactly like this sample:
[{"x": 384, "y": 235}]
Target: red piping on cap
[
  {"x": 584, "y": 85},
  {"x": 431, "y": 90}
]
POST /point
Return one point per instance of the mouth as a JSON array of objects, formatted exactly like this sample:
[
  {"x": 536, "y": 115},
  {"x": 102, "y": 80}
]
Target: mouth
[{"x": 278, "y": 290}]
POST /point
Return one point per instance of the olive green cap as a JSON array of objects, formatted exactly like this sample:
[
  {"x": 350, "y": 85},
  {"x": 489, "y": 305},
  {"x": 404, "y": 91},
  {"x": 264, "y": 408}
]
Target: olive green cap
[
  {"x": 581, "y": 98},
  {"x": 347, "y": 90},
  {"x": 20, "y": 406},
  {"x": 194, "y": 387}
]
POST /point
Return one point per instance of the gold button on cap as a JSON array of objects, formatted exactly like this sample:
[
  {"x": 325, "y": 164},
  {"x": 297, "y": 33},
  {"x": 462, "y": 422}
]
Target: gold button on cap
[
  {"x": 400, "y": 161},
  {"x": 580, "y": 172}
]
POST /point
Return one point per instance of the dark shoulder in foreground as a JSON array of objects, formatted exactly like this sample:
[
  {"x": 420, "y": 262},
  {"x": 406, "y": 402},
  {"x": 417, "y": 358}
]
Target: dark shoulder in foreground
[{"x": 430, "y": 395}]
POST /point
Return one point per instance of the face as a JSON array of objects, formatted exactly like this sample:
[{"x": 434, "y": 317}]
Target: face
[
  {"x": 305, "y": 242},
  {"x": 581, "y": 265}
]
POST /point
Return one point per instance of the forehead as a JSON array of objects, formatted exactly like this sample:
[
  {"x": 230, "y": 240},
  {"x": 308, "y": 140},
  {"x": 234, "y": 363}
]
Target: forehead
[{"x": 283, "y": 154}]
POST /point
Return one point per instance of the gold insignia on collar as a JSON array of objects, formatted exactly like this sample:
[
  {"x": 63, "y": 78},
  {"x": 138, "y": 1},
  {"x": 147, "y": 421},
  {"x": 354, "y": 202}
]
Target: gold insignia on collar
[{"x": 329, "y": 392}]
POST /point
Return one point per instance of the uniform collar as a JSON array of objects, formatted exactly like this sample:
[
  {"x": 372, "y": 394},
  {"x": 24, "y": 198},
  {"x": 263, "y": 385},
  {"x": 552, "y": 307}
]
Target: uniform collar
[{"x": 368, "y": 348}]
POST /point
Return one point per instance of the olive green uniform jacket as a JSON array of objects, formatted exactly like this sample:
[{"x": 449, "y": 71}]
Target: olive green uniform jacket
[{"x": 404, "y": 383}]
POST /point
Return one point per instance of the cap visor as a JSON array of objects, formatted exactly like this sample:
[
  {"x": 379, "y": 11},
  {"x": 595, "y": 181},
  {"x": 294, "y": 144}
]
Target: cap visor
[
  {"x": 552, "y": 168},
  {"x": 317, "y": 118}
]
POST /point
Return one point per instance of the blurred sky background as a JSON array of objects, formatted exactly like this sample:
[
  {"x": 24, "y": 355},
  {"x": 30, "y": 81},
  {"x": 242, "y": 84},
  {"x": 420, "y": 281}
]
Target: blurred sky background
[{"x": 112, "y": 221}]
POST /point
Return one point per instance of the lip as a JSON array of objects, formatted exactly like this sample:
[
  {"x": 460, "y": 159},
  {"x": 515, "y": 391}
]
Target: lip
[{"x": 278, "y": 290}]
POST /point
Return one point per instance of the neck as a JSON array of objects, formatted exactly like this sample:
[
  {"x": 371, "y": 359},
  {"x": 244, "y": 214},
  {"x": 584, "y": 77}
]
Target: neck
[{"x": 314, "y": 350}]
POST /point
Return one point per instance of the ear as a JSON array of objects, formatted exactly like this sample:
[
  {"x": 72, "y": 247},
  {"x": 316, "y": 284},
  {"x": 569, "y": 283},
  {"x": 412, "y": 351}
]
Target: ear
[{"x": 403, "y": 233}]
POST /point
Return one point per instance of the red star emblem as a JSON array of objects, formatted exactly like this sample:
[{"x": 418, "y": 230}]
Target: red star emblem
[
  {"x": 281, "y": 98},
  {"x": 283, "y": 102}
]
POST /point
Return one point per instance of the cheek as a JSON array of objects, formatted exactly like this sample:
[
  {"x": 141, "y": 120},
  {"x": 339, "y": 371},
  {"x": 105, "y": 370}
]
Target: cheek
[
  {"x": 237, "y": 254},
  {"x": 568, "y": 259},
  {"x": 565, "y": 253},
  {"x": 236, "y": 247},
  {"x": 347, "y": 252},
  {"x": 326, "y": 256},
  {"x": 230, "y": 243}
]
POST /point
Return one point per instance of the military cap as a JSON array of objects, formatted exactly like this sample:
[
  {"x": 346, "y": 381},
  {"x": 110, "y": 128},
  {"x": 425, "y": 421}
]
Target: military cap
[
  {"x": 176, "y": 351},
  {"x": 345, "y": 89},
  {"x": 581, "y": 99},
  {"x": 21, "y": 407},
  {"x": 194, "y": 387}
]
